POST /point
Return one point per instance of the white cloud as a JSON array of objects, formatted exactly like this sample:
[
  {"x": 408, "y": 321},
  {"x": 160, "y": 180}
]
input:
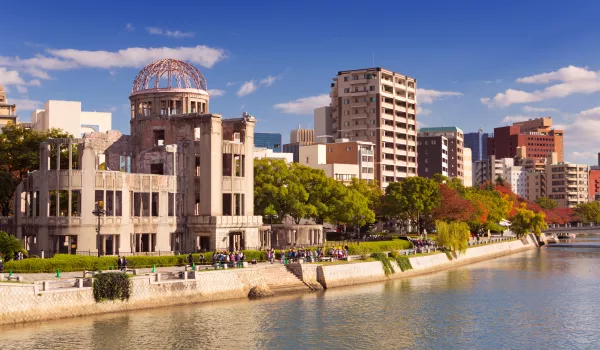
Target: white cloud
[
  {"x": 509, "y": 119},
  {"x": 567, "y": 74},
  {"x": 129, "y": 27},
  {"x": 305, "y": 105},
  {"x": 22, "y": 89},
  {"x": 170, "y": 33},
  {"x": 10, "y": 77},
  {"x": 423, "y": 111},
  {"x": 497, "y": 81},
  {"x": 26, "y": 104},
  {"x": 428, "y": 96},
  {"x": 247, "y": 88},
  {"x": 575, "y": 155},
  {"x": 37, "y": 73},
  {"x": 268, "y": 81},
  {"x": 112, "y": 109},
  {"x": 580, "y": 134},
  {"x": 572, "y": 80},
  {"x": 230, "y": 83},
  {"x": 216, "y": 92},
  {"x": 530, "y": 109}
]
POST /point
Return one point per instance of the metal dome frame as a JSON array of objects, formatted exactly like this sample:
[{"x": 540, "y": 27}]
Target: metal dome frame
[{"x": 179, "y": 74}]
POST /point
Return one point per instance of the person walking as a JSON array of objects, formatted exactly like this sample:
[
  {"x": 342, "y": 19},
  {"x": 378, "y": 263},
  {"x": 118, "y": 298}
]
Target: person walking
[
  {"x": 1, "y": 265},
  {"x": 190, "y": 259},
  {"x": 124, "y": 264},
  {"x": 119, "y": 262}
]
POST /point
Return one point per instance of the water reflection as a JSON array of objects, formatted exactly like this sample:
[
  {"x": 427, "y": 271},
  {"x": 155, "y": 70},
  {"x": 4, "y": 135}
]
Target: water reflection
[{"x": 536, "y": 299}]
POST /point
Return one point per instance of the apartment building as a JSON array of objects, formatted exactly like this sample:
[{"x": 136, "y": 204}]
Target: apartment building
[
  {"x": 536, "y": 185},
  {"x": 535, "y": 134},
  {"x": 342, "y": 160},
  {"x": 516, "y": 177},
  {"x": 455, "y": 140},
  {"x": 432, "y": 155},
  {"x": 477, "y": 142},
  {"x": 567, "y": 183},
  {"x": 488, "y": 170},
  {"x": 379, "y": 106},
  {"x": 468, "y": 168},
  {"x": 594, "y": 184},
  {"x": 68, "y": 116}
]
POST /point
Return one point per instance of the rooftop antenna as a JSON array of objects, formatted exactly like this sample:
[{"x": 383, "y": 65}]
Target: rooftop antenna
[{"x": 373, "y": 59}]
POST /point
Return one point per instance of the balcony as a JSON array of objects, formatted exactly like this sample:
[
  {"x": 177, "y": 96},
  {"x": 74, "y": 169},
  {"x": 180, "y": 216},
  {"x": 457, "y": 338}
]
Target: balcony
[
  {"x": 358, "y": 93},
  {"x": 358, "y": 81},
  {"x": 359, "y": 104},
  {"x": 358, "y": 115}
]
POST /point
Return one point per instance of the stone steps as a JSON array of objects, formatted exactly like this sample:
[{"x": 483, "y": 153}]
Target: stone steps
[{"x": 280, "y": 280}]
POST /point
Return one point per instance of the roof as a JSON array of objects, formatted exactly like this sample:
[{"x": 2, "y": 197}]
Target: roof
[{"x": 440, "y": 129}]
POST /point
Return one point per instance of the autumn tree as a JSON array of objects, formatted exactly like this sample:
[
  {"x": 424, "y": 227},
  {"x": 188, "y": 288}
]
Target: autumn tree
[
  {"x": 414, "y": 198},
  {"x": 452, "y": 206},
  {"x": 525, "y": 221}
]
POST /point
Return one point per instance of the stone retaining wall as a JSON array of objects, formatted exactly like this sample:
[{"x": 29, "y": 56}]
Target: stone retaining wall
[{"x": 27, "y": 303}]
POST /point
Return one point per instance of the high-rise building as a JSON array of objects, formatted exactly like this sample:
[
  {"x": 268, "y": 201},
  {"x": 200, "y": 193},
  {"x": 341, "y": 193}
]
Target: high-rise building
[
  {"x": 68, "y": 116},
  {"x": 477, "y": 142},
  {"x": 467, "y": 167},
  {"x": 454, "y": 138},
  {"x": 306, "y": 136},
  {"x": 379, "y": 106},
  {"x": 323, "y": 125},
  {"x": 536, "y": 135},
  {"x": 567, "y": 183},
  {"x": 594, "y": 184},
  {"x": 270, "y": 140},
  {"x": 516, "y": 178},
  {"x": 488, "y": 170},
  {"x": 8, "y": 112},
  {"x": 536, "y": 185}
]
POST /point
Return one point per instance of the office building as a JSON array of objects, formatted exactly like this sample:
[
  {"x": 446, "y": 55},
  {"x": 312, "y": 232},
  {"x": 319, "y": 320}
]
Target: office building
[
  {"x": 536, "y": 135},
  {"x": 432, "y": 156},
  {"x": 536, "y": 185},
  {"x": 477, "y": 142},
  {"x": 304, "y": 136},
  {"x": 323, "y": 125},
  {"x": 68, "y": 116},
  {"x": 515, "y": 177},
  {"x": 379, "y": 106},
  {"x": 488, "y": 170},
  {"x": 270, "y": 140}
]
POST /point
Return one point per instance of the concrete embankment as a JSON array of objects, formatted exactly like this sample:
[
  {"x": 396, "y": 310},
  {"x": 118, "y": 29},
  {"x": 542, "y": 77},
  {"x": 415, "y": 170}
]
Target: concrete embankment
[{"x": 37, "y": 302}]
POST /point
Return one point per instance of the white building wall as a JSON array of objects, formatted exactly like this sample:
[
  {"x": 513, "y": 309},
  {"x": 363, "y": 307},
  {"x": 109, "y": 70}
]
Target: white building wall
[
  {"x": 312, "y": 155},
  {"x": 261, "y": 152},
  {"x": 67, "y": 115},
  {"x": 323, "y": 122},
  {"x": 467, "y": 168}
]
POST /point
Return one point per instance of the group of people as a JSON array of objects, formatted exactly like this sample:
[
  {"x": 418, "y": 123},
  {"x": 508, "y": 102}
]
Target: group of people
[
  {"x": 293, "y": 255},
  {"x": 422, "y": 243},
  {"x": 122, "y": 263},
  {"x": 191, "y": 259},
  {"x": 18, "y": 256},
  {"x": 230, "y": 258}
]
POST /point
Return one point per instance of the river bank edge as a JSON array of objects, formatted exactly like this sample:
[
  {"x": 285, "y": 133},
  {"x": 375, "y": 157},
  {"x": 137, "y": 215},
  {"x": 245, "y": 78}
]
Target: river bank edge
[{"x": 22, "y": 303}]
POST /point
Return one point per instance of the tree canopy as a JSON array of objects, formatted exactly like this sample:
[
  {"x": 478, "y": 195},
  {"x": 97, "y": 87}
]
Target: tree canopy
[
  {"x": 546, "y": 203},
  {"x": 588, "y": 212},
  {"x": 525, "y": 221},
  {"x": 453, "y": 236},
  {"x": 9, "y": 245},
  {"x": 20, "y": 154}
]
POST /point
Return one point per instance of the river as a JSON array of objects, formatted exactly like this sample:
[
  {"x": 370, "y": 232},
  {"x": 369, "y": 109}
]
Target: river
[{"x": 539, "y": 299}]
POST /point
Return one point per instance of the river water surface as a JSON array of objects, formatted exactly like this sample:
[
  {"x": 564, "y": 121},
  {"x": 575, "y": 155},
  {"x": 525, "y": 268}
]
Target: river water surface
[{"x": 540, "y": 299}]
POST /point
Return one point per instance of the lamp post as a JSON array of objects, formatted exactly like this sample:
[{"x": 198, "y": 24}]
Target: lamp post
[{"x": 98, "y": 212}]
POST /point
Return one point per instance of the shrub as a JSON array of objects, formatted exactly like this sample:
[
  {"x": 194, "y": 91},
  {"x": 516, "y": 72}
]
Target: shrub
[
  {"x": 111, "y": 286},
  {"x": 9, "y": 245},
  {"x": 388, "y": 268},
  {"x": 404, "y": 263}
]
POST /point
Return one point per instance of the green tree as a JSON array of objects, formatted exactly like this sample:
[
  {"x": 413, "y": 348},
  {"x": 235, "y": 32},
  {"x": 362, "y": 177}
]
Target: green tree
[
  {"x": 546, "y": 203},
  {"x": 490, "y": 208},
  {"x": 525, "y": 221},
  {"x": 20, "y": 154},
  {"x": 355, "y": 210},
  {"x": 589, "y": 211},
  {"x": 499, "y": 180},
  {"x": 371, "y": 190},
  {"x": 454, "y": 236},
  {"x": 414, "y": 198},
  {"x": 9, "y": 245}
]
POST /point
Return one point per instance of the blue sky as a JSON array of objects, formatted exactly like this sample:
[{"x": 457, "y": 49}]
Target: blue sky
[{"x": 480, "y": 63}]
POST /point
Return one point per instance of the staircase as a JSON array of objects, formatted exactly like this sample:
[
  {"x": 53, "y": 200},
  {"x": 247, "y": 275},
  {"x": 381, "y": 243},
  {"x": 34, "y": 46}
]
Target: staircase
[{"x": 280, "y": 280}]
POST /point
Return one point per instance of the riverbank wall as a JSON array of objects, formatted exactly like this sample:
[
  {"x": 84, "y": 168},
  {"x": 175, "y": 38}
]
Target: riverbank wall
[{"x": 21, "y": 302}]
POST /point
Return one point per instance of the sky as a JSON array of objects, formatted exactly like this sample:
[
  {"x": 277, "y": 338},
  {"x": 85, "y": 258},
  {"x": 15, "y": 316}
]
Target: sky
[{"x": 477, "y": 63}]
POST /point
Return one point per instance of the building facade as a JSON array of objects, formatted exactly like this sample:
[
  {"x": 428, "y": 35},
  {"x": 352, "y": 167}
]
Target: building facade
[
  {"x": 455, "y": 140},
  {"x": 270, "y": 140},
  {"x": 567, "y": 183},
  {"x": 342, "y": 160},
  {"x": 261, "y": 152},
  {"x": 8, "y": 112},
  {"x": 304, "y": 136},
  {"x": 68, "y": 116},
  {"x": 536, "y": 185},
  {"x": 488, "y": 170},
  {"x": 323, "y": 125},
  {"x": 181, "y": 182},
  {"x": 477, "y": 142},
  {"x": 467, "y": 167},
  {"x": 432, "y": 155},
  {"x": 516, "y": 177},
  {"x": 536, "y": 135},
  {"x": 379, "y": 106}
]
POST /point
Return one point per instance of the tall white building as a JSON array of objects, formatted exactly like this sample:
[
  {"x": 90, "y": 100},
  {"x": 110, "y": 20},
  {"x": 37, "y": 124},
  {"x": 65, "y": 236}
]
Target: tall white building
[
  {"x": 467, "y": 168},
  {"x": 516, "y": 177},
  {"x": 68, "y": 116}
]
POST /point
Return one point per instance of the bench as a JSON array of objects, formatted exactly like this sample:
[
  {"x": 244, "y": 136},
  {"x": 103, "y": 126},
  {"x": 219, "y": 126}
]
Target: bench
[{"x": 3, "y": 277}]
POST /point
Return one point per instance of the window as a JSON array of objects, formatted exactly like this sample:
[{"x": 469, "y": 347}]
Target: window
[
  {"x": 125, "y": 164},
  {"x": 159, "y": 137},
  {"x": 346, "y": 90},
  {"x": 227, "y": 166},
  {"x": 346, "y": 112},
  {"x": 367, "y": 76},
  {"x": 329, "y": 150},
  {"x": 347, "y": 101},
  {"x": 349, "y": 148},
  {"x": 371, "y": 88},
  {"x": 345, "y": 78},
  {"x": 156, "y": 169},
  {"x": 306, "y": 160},
  {"x": 371, "y": 99}
]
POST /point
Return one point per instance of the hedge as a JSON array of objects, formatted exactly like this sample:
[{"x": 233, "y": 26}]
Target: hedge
[
  {"x": 69, "y": 263},
  {"x": 368, "y": 248},
  {"x": 111, "y": 286}
]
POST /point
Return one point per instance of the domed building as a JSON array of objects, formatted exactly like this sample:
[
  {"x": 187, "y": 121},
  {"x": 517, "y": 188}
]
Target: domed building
[{"x": 181, "y": 182}]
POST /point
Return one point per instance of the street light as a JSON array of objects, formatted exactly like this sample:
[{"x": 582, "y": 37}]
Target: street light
[{"x": 98, "y": 212}]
